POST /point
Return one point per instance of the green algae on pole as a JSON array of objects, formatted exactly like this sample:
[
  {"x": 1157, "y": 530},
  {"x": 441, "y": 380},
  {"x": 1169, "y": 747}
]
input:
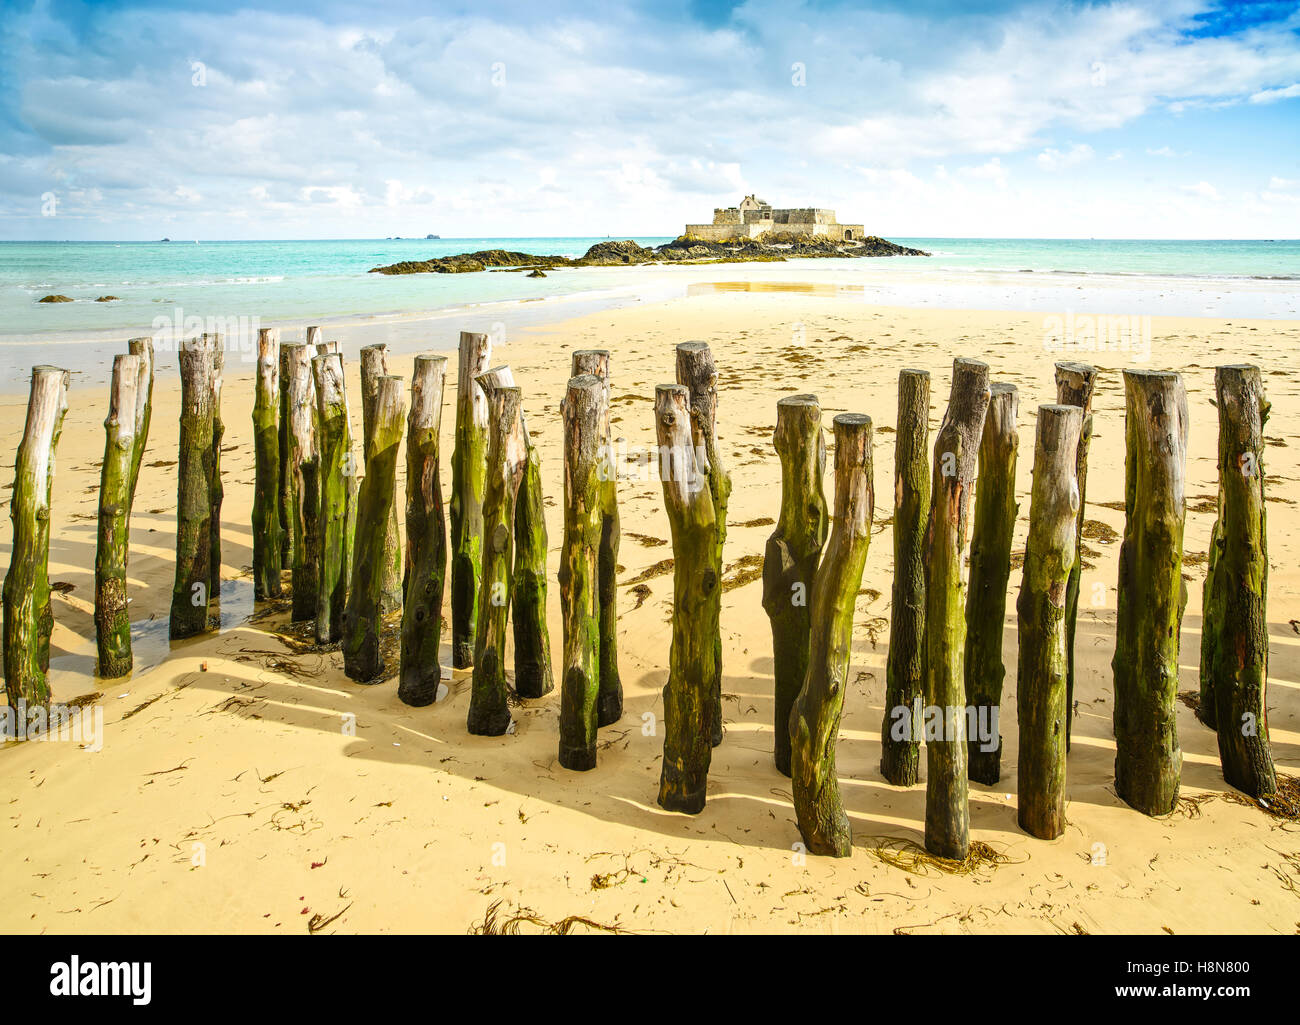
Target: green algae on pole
[
  {"x": 815, "y": 717},
  {"x": 956, "y": 452},
  {"x": 374, "y": 365},
  {"x": 286, "y": 498},
  {"x": 363, "y": 659},
  {"x": 112, "y": 620},
  {"x": 585, "y": 413},
  {"x": 489, "y": 710},
  {"x": 426, "y": 537},
  {"x": 337, "y": 496},
  {"x": 266, "y": 467},
  {"x": 303, "y": 468},
  {"x": 900, "y": 731},
  {"x": 1151, "y": 593},
  {"x": 1043, "y": 668},
  {"x": 1234, "y": 639},
  {"x": 1075, "y": 383},
  {"x": 28, "y": 617},
  {"x": 468, "y": 476},
  {"x": 609, "y": 702},
  {"x": 217, "y": 491},
  {"x": 698, "y": 373},
  {"x": 792, "y": 553},
  {"x": 990, "y": 568},
  {"x": 191, "y": 592},
  {"x": 697, "y": 575}
]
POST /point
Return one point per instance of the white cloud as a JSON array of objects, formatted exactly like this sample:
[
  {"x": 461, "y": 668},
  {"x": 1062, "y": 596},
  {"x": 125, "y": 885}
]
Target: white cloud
[
  {"x": 1052, "y": 159},
  {"x": 1203, "y": 189},
  {"x": 1273, "y": 95}
]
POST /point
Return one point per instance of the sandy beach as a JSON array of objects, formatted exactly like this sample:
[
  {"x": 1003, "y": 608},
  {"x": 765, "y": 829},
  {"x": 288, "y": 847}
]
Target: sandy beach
[{"x": 246, "y": 786}]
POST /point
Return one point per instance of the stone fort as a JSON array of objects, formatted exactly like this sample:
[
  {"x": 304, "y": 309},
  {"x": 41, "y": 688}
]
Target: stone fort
[{"x": 753, "y": 217}]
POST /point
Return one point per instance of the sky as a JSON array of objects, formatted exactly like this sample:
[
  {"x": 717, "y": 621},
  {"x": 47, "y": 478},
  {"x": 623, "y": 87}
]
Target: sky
[{"x": 140, "y": 120}]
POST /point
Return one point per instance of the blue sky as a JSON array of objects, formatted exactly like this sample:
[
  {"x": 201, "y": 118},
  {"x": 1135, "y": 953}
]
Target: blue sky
[{"x": 1175, "y": 119}]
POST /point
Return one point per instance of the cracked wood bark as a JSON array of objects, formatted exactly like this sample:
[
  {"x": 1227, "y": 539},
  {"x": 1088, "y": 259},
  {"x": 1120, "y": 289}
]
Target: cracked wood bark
[
  {"x": 1075, "y": 383},
  {"x": 374, "y": 365},
  {"x": 337, "y": 496},
  {"x": 609, "y": 702},
  {"x": 791, "y": 556},
  {"x": 363, "y": 658},
  {"x": 815, "y": 717},
  {"x": 990, "y": 569},
  {"x": 426, "y": 537},
  {"x": 1042, "y": 709},
  {"x": 468, "y": 477},
  {"x": 697, "y": 371},
  {"x": 28, "y": 616},
  {"x": 1148, "y": 761},
  {"x": 267, "y": 541},
  {"x": 1234, "y": 638},
  {"x": 689, "y": 702},
  {"x": 956, "y": 450},
  {"x": 142, "y": 349},
  {"x": 303, "y": 468},
  {"x": 900, "y": 732},
  {"x": 191, "y": 589},
  {"x": 112, "y": 619}
]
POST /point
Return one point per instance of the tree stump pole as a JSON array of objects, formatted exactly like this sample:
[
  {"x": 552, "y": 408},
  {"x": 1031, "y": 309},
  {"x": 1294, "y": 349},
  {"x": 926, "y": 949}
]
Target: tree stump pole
[
  {"x": 1151, "y": 593},
  {"x": 191, "y": 590},
  {"x": 267, "y": 542},
  {"x": 426, "y": 537},
  {"x": 363, "y": 659},
  {"x": 791, "y": 556},
  {"x": 1043, "y": 668},
  {"x": 1234, "y": 638},
  {"x": 28, "y": 615},
  {"x": 468, "y": 477},
  {"x": 303, "y": 468},
  {"x": 956, "y": 453},
  {"x": 112, "y": 619},
  {"x": 815, "y": 717},
  {"x": 990, "y": 568},
  {"x": 337, "y": 496},
  {"x": 142, "y": 349},
  {"x": 374, "y": 365}
]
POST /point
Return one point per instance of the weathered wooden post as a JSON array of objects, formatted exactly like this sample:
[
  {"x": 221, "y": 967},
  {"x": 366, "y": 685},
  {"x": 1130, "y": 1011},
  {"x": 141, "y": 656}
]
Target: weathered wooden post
[
  {"x": 363, "y": 658},
  {"x": 1041, "y": 706},
  {"x": 1074, "y": 387},
  {"x": 216, "y": 491},
  {"x": 900, "y": 731},
  {"x": 792, "y": 553},
  {"x": 374, "y": 365},
  {"x": 28, "y": 616},
  {"x": 609, "y": 701},
  {"x": 426, "y": 537},
  {"x": 314, "y": 338},
  {"x": 468, "y": 476},
  {"x": 584, "y": 412},
  {"x": 266, "y": 472},
  {"x": 956, "y": 452},
  {"x": 191, "y": 591},
  {"x": 990, "y": 567},
  {"x": 287, "y": 497},
  {"x": 303, "y": 468},
  {"x": 112, "y": 620},
  {"x": 698, "y": 373},
  {"x": 1234, "y": 637},
  {"x": 489, "y": 711},
  {"x": 337, "y": 496},
  {"x": 697, "y": 576},
  {"x": 815, "y": 718},
  {"x": 1148, "y": 761},
  {"x": 142, "y": 349}
]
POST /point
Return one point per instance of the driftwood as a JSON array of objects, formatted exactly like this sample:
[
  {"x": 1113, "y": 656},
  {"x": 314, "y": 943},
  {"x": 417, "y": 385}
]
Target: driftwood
[
  {"x": 468, "y": 477},
  {"x": 112, "y": 619}
]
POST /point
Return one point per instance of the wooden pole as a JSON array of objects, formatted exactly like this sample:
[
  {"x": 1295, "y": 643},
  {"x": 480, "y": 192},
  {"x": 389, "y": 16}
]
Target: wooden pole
[
  {"x": 112, "y": 619},
  {"x": 314, "y": 339},
  {"x": 990, "y": 568},
  {"x": 698, "y": 373},
  {"x": 303, "y": 468},
  {"x": 28, "y": 616},
  {"x": 1234, "y": 637},
  {"x": 374, "y": 365},
  {"x": 956, "y": 452},
  {"x": 1041, "y": 706},
  {"x": 584, "y": 412},
  {"x": 697, "y": 574},
  {"x": 1148, "y": 761},
  {"x": 791, "y": 556},
  {"x": 216, "y": 491},
  {"x": 142, "y": 349},
  {"x": 1075, "y": 383},
  {"x": 815, "y": 718},
  {"x": 426, "y": 536},
  {"x": 191, "y": 591},
  {"x": 363, "y": 659},
  {"x": 609, "y": 701},
  {"x": 489, "y": 711},
  {"x": 468, "y": 477},
  {"x": 900, "y": 731},
  {"x": 287, "y": 497},
  {"x": 267, "y": 529},
  {"x": 337, "y": 496}
]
